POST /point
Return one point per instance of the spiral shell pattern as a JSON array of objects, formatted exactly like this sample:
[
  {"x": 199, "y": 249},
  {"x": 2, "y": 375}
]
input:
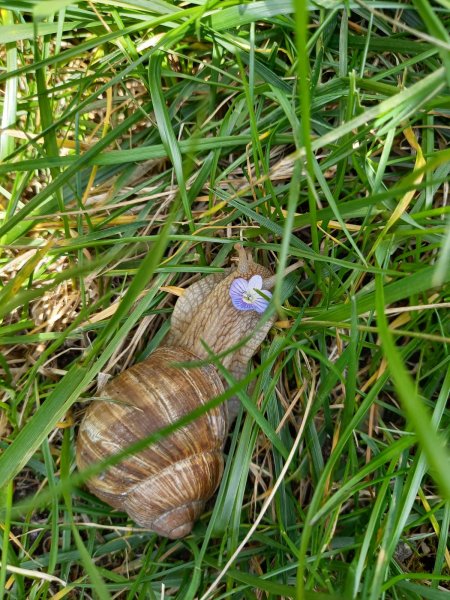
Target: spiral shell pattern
[{"x": 165, "y": 486}]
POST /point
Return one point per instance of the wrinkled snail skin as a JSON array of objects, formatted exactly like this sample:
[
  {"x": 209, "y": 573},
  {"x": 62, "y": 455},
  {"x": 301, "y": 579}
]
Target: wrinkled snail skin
[{"x": 164, "y": 488}]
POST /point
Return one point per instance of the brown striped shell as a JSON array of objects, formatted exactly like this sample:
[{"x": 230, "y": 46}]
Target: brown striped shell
[{"x": 164, "y": 487}]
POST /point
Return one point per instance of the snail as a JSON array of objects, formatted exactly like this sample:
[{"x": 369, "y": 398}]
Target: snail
[{"x": 164, "y": 488}]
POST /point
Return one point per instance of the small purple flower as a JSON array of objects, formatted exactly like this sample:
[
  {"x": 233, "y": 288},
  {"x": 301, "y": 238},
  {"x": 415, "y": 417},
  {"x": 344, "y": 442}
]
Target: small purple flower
[{"x": 244, "y": 296}]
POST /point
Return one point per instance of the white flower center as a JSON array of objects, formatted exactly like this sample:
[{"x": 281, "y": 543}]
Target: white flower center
[{"x": 249, "y": 296}]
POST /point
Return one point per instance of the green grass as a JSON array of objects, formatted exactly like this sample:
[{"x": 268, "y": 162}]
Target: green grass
[{"x": 139, "y": 141}]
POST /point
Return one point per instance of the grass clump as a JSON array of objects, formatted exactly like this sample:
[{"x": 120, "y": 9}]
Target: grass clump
[{"x": 139, "y": 142}]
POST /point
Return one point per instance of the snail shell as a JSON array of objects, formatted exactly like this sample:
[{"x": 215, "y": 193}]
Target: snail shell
[{"x": 164, "y": 487}]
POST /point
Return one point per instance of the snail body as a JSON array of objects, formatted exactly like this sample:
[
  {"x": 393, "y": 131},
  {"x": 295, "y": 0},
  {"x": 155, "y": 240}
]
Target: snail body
[{"x": 165, "y": 487}]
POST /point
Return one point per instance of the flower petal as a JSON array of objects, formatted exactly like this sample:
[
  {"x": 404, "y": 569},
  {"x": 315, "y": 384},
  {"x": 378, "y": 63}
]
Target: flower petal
[
  {"x": 255, "y": 282},
  {"x": 260, "y": 305},
  {"x": 266, "y": 293},
  {"x": 237, "y": 290},
  {"x": 240, "y": 304},
  {"x": 239, "y": 286}
]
